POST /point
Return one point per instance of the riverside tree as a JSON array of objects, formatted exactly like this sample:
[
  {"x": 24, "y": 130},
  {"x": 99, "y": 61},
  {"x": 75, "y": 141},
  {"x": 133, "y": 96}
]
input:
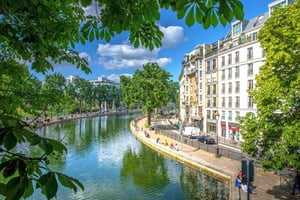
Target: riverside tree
[
  {"x": 39, "y": 34},
  {"x": 148, "y": 87},
  {"x": 274, "y": 133}
]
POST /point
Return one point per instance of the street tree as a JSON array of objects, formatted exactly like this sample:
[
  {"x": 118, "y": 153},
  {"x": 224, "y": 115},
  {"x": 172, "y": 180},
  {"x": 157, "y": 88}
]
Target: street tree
[
  {"x": 82, "y": 88},
  {"x": 173, "y": 93},
  {"x": 149, "y": 87},
  {"x": 39, "y": 34},
  {"x": 101, "y": 93},
  {"x": 53, "y": 89},
  {"x": 273, "y": 133}
]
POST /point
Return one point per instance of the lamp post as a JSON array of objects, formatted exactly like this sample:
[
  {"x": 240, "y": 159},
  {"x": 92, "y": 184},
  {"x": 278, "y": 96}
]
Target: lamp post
[{"x": 217, "y": 115}]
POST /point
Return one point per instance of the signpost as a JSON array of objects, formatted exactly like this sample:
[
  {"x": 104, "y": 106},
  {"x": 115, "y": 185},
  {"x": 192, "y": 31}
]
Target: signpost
[{"x": 247, "y": 174}]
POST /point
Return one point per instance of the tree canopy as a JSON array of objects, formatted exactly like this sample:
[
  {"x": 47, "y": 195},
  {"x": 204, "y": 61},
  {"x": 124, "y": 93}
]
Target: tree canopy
[
  {"x": 274, "y": 133},
  {"x": 38, "y": 34},
  {"x": 148, "y": 87}
]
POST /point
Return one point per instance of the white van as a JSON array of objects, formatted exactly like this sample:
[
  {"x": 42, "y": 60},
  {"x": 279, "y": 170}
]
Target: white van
[{"x": 191, "y": 132}]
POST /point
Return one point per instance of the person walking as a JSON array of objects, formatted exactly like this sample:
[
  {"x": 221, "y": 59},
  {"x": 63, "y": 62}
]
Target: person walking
[{"x": 296, "y": 182}]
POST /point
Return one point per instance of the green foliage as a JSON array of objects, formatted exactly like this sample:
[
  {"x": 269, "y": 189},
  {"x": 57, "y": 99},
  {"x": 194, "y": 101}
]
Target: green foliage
[
  {"x": 43, "y": 33},
  {"x": 274, "y": 133},
  {"x": 148, "y": 87}
]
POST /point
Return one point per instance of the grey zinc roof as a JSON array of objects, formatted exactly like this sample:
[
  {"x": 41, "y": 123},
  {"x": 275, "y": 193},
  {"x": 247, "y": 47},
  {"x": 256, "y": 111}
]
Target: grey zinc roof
[{"x": 256, "y": 21}]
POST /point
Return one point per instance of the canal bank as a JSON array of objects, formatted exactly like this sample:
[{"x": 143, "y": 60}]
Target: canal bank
[{"x": 267, "y": 186}]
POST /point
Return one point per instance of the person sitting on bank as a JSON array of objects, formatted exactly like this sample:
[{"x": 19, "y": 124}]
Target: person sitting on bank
[
  {"x": 171, "y": 146},
  {"x": 165, "y": 142},
  {"x": 158, "y": 140},
  {"x": 176, "y": 148}
]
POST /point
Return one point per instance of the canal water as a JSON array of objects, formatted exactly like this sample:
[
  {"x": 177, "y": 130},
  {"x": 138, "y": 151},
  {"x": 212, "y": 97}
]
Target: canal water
[{"x": 112, "y": 164}]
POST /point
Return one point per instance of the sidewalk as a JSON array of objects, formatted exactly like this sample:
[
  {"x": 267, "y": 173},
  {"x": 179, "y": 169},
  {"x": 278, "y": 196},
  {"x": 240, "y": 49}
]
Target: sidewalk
[{"x": 267, "y": 185}]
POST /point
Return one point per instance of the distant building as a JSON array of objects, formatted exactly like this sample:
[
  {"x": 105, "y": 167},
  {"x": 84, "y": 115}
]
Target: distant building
[
  {"x": 71, "y": 78},
  {"x": 104, "y": 81},
  {"x": 215, "y": 78}
]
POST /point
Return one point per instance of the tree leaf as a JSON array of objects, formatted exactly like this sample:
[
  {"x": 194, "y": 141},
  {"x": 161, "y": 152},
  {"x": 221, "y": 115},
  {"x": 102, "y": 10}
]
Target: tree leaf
[
  {"x": 9, "y": 140},
  {"x": 46, "y": 146},
  {"x": 85, "y": 3},
  {"x": 48, "y": 184},
  {"x": 214, "y": 19},
  {"x": 58, "y": 146},
  {"x": 190, "y": 18},
  {"x": 29, "y": 190}
]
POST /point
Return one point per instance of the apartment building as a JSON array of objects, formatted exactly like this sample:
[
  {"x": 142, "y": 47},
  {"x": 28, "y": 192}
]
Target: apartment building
[{"x": 216, "y": 78}]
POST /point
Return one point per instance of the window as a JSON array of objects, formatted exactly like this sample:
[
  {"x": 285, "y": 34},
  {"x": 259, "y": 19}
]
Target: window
[
  {"x": 237, "y": 57},
  {"x": 254, "y": 36},
  {"x": 229, "y": 102},
  {"x": 229, "y": 59},
  {"x": 200, "y": 74},
  {"x": 237, "y": 29},
  {"x": 223, "y": 74},
  {"x": 208, "y": 103},
  {"x": 237, "y": 115},
  {"x": 250, "y": 102},
  {"x": 250, "y": 84},
  {"x": 237, "y": 72},
  {"x": 223, "y": 88},
  {"x": 214, "y": 64},
  {"x": 214, "y": 89},
  {"x": 200, "y": 86},
  {"x": 229, "y": 88},
  {"x": 223, "y": 61},
  {"x": 230, "y": 115},
  {"x": 237, "y": 87},
  {"x": 250, "y": 69},
  {"x": 229, "y": 73},
  {"x": 208, "y": 90},
  {"x": 223, "y": 114},
  {"x": 223, "y": 102},
  {"x": 263, "y": 53},
  {"x": 208, "y": 65},
  {"x": 250, "y": 53},
  {"x": 214, "y": 102},
  {"x": 237, "y": 102}
]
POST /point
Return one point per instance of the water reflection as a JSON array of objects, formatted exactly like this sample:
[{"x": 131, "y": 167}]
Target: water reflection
[
  {"x": 146, "y": 169},
  {"x": 112, "y": 164}
]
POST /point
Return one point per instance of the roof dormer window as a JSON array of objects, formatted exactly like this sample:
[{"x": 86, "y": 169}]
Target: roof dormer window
[{"x": 236, "y": 29}]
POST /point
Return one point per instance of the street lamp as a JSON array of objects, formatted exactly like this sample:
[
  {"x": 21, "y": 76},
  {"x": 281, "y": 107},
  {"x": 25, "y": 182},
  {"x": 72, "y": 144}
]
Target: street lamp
[{"x": 217, "y": 115}]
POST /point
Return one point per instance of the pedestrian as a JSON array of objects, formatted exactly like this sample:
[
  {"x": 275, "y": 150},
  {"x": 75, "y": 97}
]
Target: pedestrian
[
  {"x": 247, "y": 188},
  {"x": 296, "y": 182},
  {"x": 238, "y": 179}
]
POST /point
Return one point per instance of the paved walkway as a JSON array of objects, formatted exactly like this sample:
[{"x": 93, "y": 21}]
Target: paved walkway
[{"x": 267, "y": 185}]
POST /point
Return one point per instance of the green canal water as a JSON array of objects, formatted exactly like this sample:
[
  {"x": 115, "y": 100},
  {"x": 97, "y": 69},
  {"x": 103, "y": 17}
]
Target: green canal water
[{"x": 112, "y": 164}]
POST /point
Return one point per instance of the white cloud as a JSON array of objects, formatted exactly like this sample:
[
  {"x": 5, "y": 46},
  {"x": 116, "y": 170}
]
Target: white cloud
[
  {"x": 124, "y": 56},
  {"x": 173, "y": 35},
  {"x": 116, "y": 77},
  {"x": 85, "y": 55},
  {"x": 92, "y": 9}
]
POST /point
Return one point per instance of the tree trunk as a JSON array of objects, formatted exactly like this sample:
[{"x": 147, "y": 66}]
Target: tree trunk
[{"x": 149, "y": 117}]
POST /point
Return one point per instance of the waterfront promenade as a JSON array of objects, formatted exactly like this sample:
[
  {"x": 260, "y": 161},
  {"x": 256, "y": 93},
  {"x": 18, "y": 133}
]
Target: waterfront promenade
[{"x": 267, "y": 186}]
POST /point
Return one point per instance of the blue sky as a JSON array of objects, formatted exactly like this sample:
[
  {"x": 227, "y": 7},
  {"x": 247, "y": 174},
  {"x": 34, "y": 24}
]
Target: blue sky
[{"x": 120, "y": 58}]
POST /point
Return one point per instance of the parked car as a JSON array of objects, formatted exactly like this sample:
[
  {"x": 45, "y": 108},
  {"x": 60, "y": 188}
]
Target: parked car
[
  {"x": 206, "y": 139},
  {"x": 191, "y": 132}
]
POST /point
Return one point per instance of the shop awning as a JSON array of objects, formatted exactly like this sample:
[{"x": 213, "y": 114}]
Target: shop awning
[
  {"x": 234, "y": 128},
  {"x": 223, "y": 126}
]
